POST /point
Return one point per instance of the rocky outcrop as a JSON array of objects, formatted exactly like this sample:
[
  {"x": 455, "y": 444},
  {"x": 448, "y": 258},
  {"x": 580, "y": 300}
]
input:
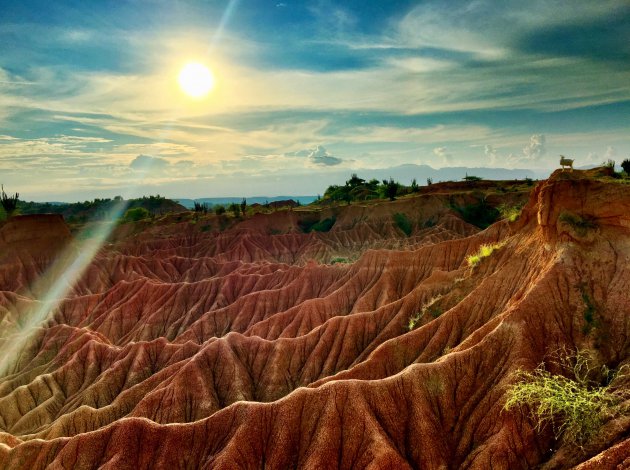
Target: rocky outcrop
[{"x": 184, "y": 348}]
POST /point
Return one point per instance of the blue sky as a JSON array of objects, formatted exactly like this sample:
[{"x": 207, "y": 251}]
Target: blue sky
[{"x": 89, "y": 102}]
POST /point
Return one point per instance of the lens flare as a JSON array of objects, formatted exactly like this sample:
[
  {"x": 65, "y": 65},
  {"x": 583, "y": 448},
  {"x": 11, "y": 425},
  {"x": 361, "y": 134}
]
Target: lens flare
[{"x": 72, "y": 262}]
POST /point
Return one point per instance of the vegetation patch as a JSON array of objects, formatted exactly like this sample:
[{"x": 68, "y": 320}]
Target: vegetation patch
[
  {"x": 403, "y": 223},
  {"x": 432, "y": 308},
  {"x": 9, "y": 203},
  {"x": 135, "y": 214},
  {"x": 414, "y": 319},
  {"x": 510, "y": 212},
  {"x": 359, "y": 189},
  {"x": 324, "y": 225},
  {"x": 480, "y": 214},
  {"x": 430, "y": 222},
  {"x": 203, "y": 207},
  {"x": 581, "y": 224},
  {"x": 574, "y": 403},
  {"x": 483, "y": 252},
  {"x": 314, "y": 225},
  {"x": 589, "y": 313}
]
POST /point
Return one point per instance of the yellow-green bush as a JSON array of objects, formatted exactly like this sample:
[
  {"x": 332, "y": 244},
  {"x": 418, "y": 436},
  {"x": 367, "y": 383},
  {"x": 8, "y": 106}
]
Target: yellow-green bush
[{"x": 483, "y": 252}]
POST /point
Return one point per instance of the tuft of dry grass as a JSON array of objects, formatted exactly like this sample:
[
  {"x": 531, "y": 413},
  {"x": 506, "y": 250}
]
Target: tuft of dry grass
[
  {"x": 483, "y": 252},
  {"x": 575, "y": 407}
]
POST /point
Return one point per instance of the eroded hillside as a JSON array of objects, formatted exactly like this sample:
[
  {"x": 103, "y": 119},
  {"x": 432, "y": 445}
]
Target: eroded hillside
[{"x": 256, "y": 345}]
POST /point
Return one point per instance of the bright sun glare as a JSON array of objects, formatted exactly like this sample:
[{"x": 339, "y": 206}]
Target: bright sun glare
[{"x": 196, "y": 80}]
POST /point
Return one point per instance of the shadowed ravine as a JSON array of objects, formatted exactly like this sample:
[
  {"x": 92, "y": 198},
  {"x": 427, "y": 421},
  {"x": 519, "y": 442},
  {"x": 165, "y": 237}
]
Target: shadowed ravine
[{"x": 244, "y": 348}]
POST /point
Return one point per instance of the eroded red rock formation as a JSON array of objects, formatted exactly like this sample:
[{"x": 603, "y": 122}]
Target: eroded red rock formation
[{"x": 181, "y": 347}]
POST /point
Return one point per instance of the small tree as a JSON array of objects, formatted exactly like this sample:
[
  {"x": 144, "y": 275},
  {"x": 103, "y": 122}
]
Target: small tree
[
  {"x": 355, "y": 181},
  {"x": 471, "y": 178},
  {"x": 9, "y": 203},
  {"x": 219, "y": 209},
  {"x": 414, "y": 185},
  {"x": 429, "y": 181},
  {"x": 201, "y": 207},
  {"x": 391, "y": 189},
  {"x": 243, "y": 206},
  {"x": 235, "y": 209},
  {"x": 626, "y": 166},
  {"x": 136, "y": 214}
]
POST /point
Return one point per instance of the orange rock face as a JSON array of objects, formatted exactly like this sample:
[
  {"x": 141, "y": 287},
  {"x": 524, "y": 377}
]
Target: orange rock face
[{"x": 184, "y": 346}]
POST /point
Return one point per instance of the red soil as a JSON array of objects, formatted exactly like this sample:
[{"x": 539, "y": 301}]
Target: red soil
[{"x": 187, "y": 347}]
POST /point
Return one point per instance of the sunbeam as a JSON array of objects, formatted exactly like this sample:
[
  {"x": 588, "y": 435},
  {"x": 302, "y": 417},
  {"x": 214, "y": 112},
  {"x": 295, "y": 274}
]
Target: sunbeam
[
  {"x": 72, "y": 263},
  {"x": 227, "y": 14}
]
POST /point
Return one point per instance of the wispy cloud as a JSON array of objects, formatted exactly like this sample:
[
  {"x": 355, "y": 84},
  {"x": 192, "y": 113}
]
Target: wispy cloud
[{"x": 340, "y": 86}]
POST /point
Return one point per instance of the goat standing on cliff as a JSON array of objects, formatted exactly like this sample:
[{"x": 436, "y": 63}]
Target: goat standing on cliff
[{"x": 566, "y": 162}]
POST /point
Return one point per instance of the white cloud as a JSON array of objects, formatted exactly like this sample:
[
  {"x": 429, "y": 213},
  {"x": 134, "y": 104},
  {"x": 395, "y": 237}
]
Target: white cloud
[
  {"x": 491, "y": 154},
  {"x": 319, "y": 156},
  {"x": 536, "y": 147},
  {"x": 148, "y": 163},
  {"x": 447, "y": 158}
]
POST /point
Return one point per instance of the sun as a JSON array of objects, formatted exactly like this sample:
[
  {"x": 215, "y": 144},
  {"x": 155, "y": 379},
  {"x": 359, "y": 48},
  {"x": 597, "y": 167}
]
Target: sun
[{"x": 196, "y": 80}]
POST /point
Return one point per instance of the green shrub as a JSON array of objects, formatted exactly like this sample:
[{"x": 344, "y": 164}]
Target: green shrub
[
  {"x": 403, "y": 223},
  {"x": 589, "y": 313},
  {"x": 626, "y": 166},
  {"x": 576, "y": 407},
  {"x": 135, "y": 214},
  {"x": 510, "y": 213},
  {"x": 581, "y": 224},
  {"x": 414, "y": 319},
  {"x": 480, "y": 214},
  {"x": 201, "y": 207},
  {"x": 323, "y": 225},
  {"x": 9, "y": 203},
  {"x": 430, "y": 222},
  {"x": 391, "y": 189},
  {"x": 432, "y": 308},
  {"x": 235, "y": 209}
]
